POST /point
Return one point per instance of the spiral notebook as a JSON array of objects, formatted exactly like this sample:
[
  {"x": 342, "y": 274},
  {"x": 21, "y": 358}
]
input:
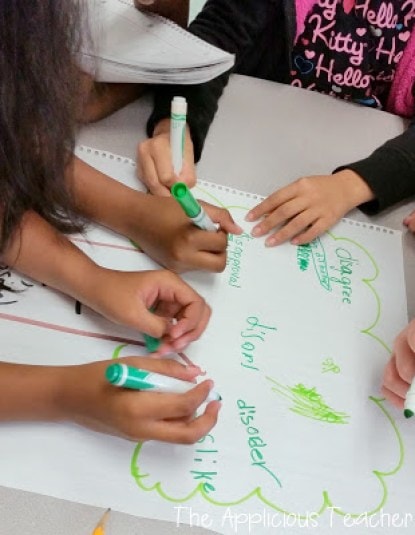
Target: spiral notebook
[
  {"x": 126, "y": 45},
  {"x": 296, "y": 345}
]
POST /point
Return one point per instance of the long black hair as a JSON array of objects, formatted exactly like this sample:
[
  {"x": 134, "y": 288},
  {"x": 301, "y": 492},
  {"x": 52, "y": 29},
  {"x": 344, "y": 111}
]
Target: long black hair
[{"x": 39, "y": 98}]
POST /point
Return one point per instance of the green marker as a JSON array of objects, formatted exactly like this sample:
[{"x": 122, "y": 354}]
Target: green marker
[
  {"x": 191, "y": 207},
  {"x": 152, "y": 344},
  {"x": 409, "y": 409},
  {"x": 137, "y": 379}
]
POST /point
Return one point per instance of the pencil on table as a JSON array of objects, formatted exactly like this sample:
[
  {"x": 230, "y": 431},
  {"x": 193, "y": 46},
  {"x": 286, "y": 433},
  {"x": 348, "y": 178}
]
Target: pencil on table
[{"x": 100, "y": 528}]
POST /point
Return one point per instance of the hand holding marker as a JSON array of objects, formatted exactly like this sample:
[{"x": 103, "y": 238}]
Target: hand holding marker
[
  {"x": 180, "y": 191},
  {"x": 192, "y": 208},
  {"x": 136, "y": 379}
]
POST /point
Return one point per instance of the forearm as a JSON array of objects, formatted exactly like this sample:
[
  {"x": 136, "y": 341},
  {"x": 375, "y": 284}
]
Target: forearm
[
  {"x": 42, "y": 253},
  {"x": 389, "y": 172},
  {"x": 30, "y": 392},
  {"x": 104, "y": 200}
]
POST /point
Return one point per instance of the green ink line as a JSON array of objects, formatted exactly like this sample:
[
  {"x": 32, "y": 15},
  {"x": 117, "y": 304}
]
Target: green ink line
[
  {"x": 117, "y": 351},
  {"x": 218, "y": 202}
]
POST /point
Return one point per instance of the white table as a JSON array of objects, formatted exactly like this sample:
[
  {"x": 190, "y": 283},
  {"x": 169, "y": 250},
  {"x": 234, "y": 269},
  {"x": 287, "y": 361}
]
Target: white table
[{"x": 272, "y": 134}]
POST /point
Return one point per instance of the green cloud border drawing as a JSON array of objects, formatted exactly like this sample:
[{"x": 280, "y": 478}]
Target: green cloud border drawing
[{"x": 326, "y": 500}]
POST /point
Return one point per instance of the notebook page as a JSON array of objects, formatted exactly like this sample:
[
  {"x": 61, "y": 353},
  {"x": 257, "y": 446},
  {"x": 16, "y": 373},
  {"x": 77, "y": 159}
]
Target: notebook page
[
  {"x": 296, "y": 344},
  {"x": 125, "y": 40}
]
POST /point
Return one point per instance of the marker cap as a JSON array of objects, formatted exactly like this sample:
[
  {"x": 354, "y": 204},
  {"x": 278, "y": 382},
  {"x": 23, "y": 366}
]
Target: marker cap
[
  {"x": 179, "y": 106},
  {"x": 152, "y": 344},
  {"x": 182, "y": 194},
  {"x": 127, "y": 376}
]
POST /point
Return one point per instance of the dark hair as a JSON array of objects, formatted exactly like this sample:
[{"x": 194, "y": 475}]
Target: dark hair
[{"x": 39, "y": 97}]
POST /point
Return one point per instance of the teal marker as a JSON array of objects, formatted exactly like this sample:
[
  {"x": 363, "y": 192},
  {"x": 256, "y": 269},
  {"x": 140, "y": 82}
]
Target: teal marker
[
  {"x": 191, "y": 207},
  {"x": 137, "y": 379},
  {"x": 152, "y": 344},
  {"x": 178, "y": 131},
  {"x": 409, "y": 408}
]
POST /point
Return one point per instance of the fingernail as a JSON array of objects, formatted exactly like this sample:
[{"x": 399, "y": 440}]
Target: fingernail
[
  {"x": 194, "y": 369},
  {"x": 249, "y": 217},
  {"x": 270, "y": 242},
  {"x": 295, "y": 241},
  {"x": 256, "y": 231}
]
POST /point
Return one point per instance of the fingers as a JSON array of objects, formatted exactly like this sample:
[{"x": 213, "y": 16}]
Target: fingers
[
  {"x": 409, "y": 221},
  {"x": 311, "y": 233},
  {"x": 404, "y": 357},
  {"x": 185, "y": 429},
  {"x": 304, "y": 209},
  {"x": 223, "y": 218},
  {"x": 155, "y": 163},
  {"x": 156, "y": 326},
  {"x": 150, "y": 166},
  {"x": 392, "y": 382},
  {"x": 206, "y": 250},
  {"x": 393, "y": 398},
  {"x": 273, "y": 202},
  {"x": 193, "y": 312},
  {"x": 190, "y": 326}
]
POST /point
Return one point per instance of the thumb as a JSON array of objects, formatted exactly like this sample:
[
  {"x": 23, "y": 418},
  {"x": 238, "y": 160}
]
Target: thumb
[{"x": 153, "y": 325}]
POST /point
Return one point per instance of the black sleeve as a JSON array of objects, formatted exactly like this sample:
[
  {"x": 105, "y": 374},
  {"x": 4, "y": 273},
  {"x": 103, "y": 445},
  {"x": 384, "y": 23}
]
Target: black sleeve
[
  {"x": 389, "y": 171},
  {"x": 235, "y": 27}
]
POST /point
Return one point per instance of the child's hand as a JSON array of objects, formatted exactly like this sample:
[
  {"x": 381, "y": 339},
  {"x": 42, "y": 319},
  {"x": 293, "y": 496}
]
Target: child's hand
[
  {"x": 86, "y": 398},
  {"x": 155, "y": 161},
  {"x": 409, "y": 221},
  {"x": 126, "y": 297},
  {"x": 400, "y": 370},
  {"x": 308, "y": 207},
  {"x": 165, "y": 233}
]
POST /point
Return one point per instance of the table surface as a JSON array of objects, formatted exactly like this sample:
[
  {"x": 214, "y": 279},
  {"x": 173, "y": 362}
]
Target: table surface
[{"x": 273, "y": 134}]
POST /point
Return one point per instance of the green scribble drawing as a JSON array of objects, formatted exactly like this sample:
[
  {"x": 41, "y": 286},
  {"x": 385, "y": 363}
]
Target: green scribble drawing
[
  {"x": 329, "y": 365},
  {"x": 327, "y": 502},
  {"x": 303, "y": 256},
  {"x": 309, "y": 403}
]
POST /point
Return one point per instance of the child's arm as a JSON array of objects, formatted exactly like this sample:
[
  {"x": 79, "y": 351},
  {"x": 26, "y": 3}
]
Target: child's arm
[
  {"x": 305, "y": 209},
  {"x": 235, "y": 27},
  {"x": 80, "y": 394},
  {"x": 40, "y": 252},
  {"x": 400, "y": 370},
  {"x": 157, "y": 224}
]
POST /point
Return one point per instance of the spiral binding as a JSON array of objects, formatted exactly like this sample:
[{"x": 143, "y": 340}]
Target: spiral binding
[{"x": 226, "y": 189}]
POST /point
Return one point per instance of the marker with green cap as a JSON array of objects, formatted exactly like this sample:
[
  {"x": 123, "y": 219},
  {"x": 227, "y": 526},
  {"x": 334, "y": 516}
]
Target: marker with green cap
[
  {"x": 191, "y": 207},
  {"x": 152, "y": 344},
  {"x": 409, "y": 408},
  {"x": 137, "y": 379}
]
